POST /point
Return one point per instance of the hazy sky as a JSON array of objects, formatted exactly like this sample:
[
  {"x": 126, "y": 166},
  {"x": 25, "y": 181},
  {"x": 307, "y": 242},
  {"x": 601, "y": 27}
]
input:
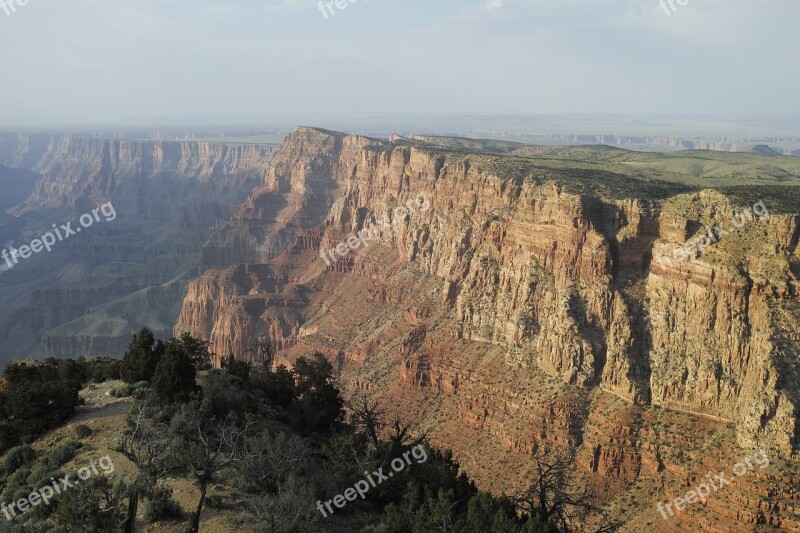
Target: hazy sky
[{"x": 102, "y": 61}]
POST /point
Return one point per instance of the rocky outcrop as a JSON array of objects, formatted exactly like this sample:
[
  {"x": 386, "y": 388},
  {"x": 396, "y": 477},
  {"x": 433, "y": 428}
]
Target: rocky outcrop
[
  {"x": 719, "y": 326},
  {"x": 297, "y": 194}
]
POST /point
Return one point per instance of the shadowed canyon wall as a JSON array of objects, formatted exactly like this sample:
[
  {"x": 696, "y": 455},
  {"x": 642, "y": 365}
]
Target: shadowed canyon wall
[{"x": 89, "y": 294}]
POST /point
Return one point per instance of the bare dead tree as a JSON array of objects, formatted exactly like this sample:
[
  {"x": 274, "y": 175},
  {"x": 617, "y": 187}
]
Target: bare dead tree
[
  {"x": 367, "y": 419},
  {"x": 405, "y": 433},
  {"x": 609, "y": 526},
  {"x": 264, "y": 352},
  {"x": 370, "y": 420},
  {"x": 288, "y": 511},
  {"x": 556, "y": 494},
  {"x": 271, "y": 457},
  {"x": 207, "y": 445},
  {"x": 145, "y": 445}
]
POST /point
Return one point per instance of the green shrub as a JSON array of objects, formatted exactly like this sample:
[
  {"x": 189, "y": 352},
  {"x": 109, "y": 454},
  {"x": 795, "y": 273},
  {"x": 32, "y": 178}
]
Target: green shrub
[
  {"x": 141, "y": 358},
  {"x": 215, "y": 501},
  {"x": 92, "y": 505},
  {"x": 61, "y": 453},
  {"x": 161, "y": 506},
  {"x": 18, "y": 457},
  {"x": 318, "y": 407},
  {"x": 127, "y": 389},
  {"x": 122, "y": 391},
  {"x": 277, "y": 386},
  {"x": 82, "y": 431},
  {"x": 197, "y": 350},
  {"x": 235, "y": 367},
  {"x": 175, "y": 373},
  {"x": 33, "y": 399},
  {"x": 104, "y": 369},
  {"x": 73, "y": 371}
]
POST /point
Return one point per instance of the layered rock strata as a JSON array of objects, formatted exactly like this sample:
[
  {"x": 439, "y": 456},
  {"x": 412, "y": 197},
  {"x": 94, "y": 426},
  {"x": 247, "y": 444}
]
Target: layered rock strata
[{"x": 514, "y": 314}]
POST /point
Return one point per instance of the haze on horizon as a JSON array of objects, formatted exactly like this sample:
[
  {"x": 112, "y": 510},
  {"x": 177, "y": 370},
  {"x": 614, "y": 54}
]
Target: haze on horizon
[{"x": 93, "y": 62}]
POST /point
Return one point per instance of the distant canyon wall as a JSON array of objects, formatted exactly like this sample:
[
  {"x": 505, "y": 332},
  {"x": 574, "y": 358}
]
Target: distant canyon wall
[
  {"x": 142, "y": 176},
  {"x": 168, "y": 196},
  {"x": 674, "y": 143}
]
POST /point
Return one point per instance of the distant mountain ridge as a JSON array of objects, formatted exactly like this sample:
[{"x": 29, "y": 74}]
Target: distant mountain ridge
[{"x": 672, "y": 143}]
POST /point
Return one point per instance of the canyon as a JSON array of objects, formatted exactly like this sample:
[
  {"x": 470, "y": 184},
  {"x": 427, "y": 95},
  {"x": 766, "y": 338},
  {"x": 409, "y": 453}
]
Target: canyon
[
  {"x": 88, "y": 294},
  {"x": 523, "y": 310}
]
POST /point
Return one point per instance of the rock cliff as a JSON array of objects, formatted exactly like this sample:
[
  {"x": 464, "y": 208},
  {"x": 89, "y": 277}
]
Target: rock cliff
[{"x": 520, "y": 310}]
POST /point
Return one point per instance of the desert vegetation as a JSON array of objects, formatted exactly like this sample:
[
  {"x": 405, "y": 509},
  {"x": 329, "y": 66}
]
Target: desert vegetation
[{"x": 266, "y": 442}]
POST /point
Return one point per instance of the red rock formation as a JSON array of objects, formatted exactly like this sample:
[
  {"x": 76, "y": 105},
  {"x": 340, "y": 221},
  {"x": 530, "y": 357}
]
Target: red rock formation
[{"x": 512, "y": 316}]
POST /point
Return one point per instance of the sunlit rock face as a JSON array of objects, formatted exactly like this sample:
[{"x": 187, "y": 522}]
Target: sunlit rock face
[{"x": 513, "y": 315}]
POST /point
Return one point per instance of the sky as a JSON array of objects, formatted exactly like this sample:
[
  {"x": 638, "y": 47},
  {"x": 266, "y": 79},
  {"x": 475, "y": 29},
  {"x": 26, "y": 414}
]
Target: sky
[{"x": 223, "y": 61}]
